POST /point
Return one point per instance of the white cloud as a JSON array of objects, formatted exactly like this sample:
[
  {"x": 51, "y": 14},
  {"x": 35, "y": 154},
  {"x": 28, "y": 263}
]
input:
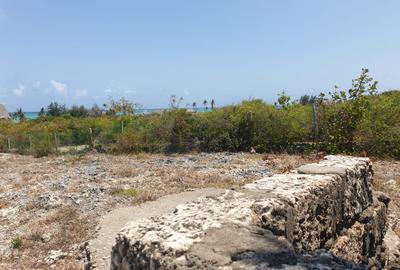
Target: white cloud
[
  {"x": 36, "y": 85},
  {"x": 108, "y": 91},
  {"x": 59, "y": 87},
  {"x": 186, "y": 92},
  {"x": 81, "y": 93},
  {"x": 19, "y": 91}
]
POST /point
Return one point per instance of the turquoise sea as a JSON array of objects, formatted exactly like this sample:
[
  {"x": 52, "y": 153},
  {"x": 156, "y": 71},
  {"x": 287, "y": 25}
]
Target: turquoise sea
[{"x": 34, "y": 115}]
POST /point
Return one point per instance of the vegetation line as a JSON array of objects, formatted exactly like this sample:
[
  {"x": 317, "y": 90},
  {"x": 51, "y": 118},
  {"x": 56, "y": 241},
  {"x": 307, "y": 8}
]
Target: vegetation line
[{"x": 357, "y": 120}]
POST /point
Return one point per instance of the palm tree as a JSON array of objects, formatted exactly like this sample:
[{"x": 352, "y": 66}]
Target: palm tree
[
  {"x": 172, "y": 100},
  {"x": 20, "y": 115},
  {"x": 212, "y": 104},
  {"x": 42, "y": 112},
  {"x": 205, "y": 104},
  {"x": 194, "y": 105}
]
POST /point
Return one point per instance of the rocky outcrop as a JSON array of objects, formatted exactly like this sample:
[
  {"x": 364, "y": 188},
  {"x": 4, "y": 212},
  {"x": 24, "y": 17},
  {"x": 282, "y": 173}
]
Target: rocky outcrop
[{"x": 320, "y": 215}]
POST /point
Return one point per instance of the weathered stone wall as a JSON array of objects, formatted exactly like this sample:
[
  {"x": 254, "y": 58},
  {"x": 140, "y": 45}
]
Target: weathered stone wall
[{"x": 318, "y": 215}]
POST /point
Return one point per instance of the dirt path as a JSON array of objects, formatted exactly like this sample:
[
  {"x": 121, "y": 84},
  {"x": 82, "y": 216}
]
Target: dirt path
[{"x": 114, "y": 221}]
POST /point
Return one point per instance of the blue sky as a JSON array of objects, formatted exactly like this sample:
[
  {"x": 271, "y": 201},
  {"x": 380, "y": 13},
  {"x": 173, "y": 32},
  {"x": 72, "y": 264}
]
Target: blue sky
[{"x": 82, "y": 52}]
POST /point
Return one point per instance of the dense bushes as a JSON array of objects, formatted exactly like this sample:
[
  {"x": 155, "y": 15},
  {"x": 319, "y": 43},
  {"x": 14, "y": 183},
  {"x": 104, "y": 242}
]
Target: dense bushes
[
  {"x": 359, "y": 120},
  {"x": 353, "y": 121},
  {"x": 378, "y": 132}
]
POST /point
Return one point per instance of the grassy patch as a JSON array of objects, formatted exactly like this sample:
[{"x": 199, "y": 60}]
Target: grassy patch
[
  {"x": 125, "y": 171},
  {"x": 128, "y": 192},
  {"x": 16, "y": 242}
]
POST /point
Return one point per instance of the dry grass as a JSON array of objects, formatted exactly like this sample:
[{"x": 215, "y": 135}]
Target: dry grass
[
  {"x": 4, "y": 204},
  {"x": 23, "y": 181},
  {"x": 65, "y": 227},
  {"x": 387, "y": 179},
  {"x": 283, "y": 163},
  {"x": 147, "y": 195},
  {"x": 68, "y": 264},
  {"x": 76, "y": 158},
  {"x": 125, "y": 171},
  {"x": 144, "y": 156},
  {"x": 181, "y": 180},
  {"x": 123, "y": 177}
]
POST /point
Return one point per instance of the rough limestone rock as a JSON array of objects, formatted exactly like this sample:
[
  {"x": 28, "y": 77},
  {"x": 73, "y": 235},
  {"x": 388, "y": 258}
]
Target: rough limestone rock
[
  {"x": 320, "y": 216},
  {"x": 393, "y": 246}
]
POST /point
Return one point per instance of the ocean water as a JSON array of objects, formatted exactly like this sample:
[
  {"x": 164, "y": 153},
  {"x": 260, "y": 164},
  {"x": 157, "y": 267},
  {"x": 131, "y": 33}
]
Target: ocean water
[
  {"x": 34, "y": 115},
  {"x": 31, "y": 115}
]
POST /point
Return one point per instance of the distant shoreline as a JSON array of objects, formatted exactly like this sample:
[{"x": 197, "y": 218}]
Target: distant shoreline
[{"x": 34, "y": 115}]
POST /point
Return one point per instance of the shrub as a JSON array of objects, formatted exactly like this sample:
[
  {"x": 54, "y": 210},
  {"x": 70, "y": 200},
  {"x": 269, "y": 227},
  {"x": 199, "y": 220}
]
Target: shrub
[
  {"x": 352, "y": 121},
  {"x": 42, "y": 148},
  {"x": 129, "y": 142},
  {"x": 16, "y": 242}
]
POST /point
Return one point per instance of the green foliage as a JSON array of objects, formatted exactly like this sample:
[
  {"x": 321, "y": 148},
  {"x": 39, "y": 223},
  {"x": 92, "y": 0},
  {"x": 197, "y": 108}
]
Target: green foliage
[
  {"x": 283, "y": 100},
  {"x": 213, "y": 131},
  {"x": 42, "y": 112},
  {"x": 307, "y": 99},
  {"x": 352, "y": 121},
  {"x": 16, "y": 242},
  {"x": 95, "y": 111},
  {"x": 42, "y": 147},
  {"x": 129, "y": 192},
  {"x": 378, "y": 132},
  {"x": 19, "y": 115},
  {"x": 129, "y": 142},
  {"x": 343, "y": 113},
  {"x": 78, "y": 111},
  {"x": 121, "y": 106},
  {"x": 55, "y": 109}
]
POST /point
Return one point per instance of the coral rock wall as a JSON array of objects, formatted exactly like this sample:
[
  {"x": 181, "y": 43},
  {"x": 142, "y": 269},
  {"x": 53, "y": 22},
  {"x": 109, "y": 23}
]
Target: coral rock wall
[{"x": 320, "y": 215}]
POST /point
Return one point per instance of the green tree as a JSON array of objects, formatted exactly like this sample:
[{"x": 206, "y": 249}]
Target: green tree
[
  {"x": 78, "y": 111},
  {"x": 205, "y": 102},
  {"x": 95, "y": 111},
  {"x": 212, "y": 104},
  {"x": 344, "y": 111},
  {"x": 19, "y": 115},
  {"x": 283, "y": 100},
  {"x": 122, "y": 106},
  {"x": 307, "y": 99},
  {"x": 55, "y": 109},
  {"x": 42, "y": 112}
]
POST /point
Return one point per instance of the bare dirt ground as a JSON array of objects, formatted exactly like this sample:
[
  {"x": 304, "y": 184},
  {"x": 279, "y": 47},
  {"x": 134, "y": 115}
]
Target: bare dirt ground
[{"x": 50, "y": 208}]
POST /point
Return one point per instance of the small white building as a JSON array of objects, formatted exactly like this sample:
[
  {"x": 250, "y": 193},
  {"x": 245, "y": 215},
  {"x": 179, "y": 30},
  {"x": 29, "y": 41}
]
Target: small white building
[{"x": 3, "y": 112}]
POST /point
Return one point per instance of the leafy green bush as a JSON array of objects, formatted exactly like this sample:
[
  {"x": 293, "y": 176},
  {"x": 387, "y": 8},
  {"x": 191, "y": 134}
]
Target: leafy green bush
[
  {"x": 378, "y": 132},
  {"x": 42, "y": 147},
  {"x": 353, "y": 121}
]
